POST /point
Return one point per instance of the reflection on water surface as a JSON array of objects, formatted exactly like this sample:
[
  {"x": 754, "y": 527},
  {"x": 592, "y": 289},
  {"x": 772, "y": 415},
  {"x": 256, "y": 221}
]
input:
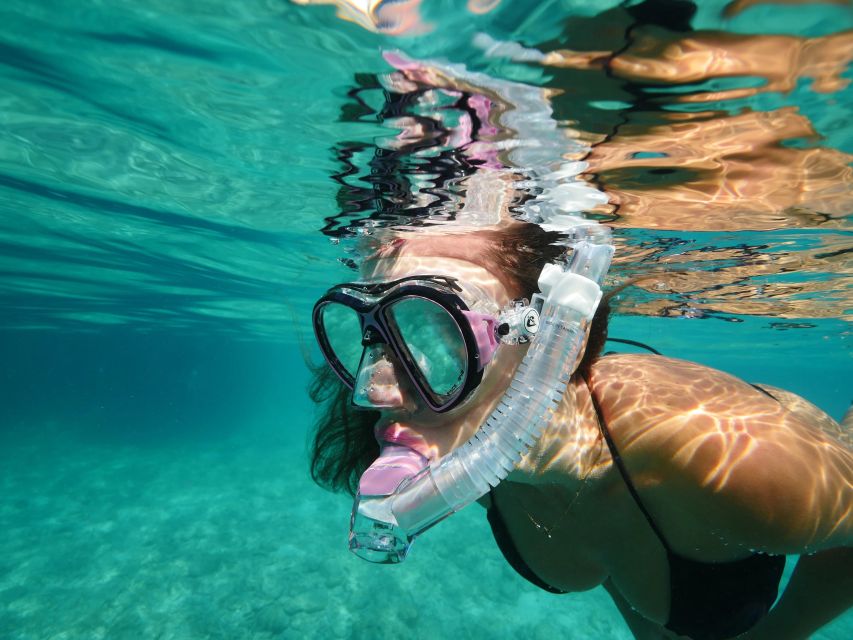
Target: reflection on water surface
[
  {"x": 176, "y": 172},
  {"x": 714, "y": 180}
]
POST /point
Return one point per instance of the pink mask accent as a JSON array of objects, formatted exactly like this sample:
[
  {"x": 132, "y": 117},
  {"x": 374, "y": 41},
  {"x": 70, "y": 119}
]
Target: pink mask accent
[
  {"x": 483, "y": 327},
  {"x": 394, "y": 464}
]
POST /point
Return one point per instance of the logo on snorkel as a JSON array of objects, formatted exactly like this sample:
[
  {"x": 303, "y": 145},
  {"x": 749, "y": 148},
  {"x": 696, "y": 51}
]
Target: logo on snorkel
[{"x": 531, "y": 321}]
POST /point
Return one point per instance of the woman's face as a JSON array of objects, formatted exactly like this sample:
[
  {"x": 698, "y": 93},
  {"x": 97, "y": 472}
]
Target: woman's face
[{"x": 405, "y": 417}]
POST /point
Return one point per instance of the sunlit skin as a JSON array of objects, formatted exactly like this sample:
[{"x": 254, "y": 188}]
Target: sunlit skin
[
  {"x": 738, "y": 6},
  {"x": 727, "y": 173},
  {"x": 732, "y": 172},
  {"x": 725, "y": 470},
  {"x": 658, "y": 55}
]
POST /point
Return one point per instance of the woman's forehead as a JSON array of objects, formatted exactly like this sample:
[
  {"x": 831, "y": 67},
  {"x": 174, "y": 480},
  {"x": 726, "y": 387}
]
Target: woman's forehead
[{"x": 466, "y": 272}]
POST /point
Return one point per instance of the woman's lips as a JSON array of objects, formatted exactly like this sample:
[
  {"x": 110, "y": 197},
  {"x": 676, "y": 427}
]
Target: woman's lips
[{"x": 399, "y": 434}]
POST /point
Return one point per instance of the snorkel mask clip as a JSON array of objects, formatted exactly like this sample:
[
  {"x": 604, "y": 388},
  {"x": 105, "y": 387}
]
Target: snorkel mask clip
[{"x": 519, "y": 322}]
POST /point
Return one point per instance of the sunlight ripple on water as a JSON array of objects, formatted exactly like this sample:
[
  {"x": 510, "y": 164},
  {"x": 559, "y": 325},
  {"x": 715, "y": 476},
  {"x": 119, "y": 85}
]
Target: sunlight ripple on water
[{"x": 179, "y": 171}]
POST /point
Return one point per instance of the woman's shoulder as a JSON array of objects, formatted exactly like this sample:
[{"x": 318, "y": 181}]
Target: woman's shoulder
[
  {"x": 656, "y": 369},
  {"x": 641, "y": 384},
  {"x": 685, "y": 402},
  {"x": 714, "y": 444},
  {"x": 648, "y": 383}
]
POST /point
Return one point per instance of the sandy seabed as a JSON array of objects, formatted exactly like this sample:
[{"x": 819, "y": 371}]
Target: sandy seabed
[{"x": 232, "y": 540}]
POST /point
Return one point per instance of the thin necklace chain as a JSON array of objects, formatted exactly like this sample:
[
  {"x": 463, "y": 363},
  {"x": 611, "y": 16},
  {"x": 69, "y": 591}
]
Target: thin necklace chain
[
  {"x": 592, "y": 465},
  {"x": 549, "y": 530}
]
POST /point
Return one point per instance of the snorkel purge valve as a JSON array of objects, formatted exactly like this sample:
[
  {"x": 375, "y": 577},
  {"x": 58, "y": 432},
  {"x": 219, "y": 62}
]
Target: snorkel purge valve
[
  {"x": 519, "y": 324},
  {"x": 401, "y": 495}
]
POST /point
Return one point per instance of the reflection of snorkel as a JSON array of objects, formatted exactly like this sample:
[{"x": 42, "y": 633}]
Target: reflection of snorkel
[{"x": 401, "y": 495}]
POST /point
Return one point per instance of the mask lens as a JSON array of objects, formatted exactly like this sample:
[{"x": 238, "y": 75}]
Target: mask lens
[
  {"x": 343, "y": 331},
  {"x": 433, "y": 340}
]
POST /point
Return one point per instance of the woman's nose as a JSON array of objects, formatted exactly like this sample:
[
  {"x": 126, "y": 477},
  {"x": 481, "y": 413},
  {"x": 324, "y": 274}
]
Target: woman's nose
[{"x": 376, "y": 382}]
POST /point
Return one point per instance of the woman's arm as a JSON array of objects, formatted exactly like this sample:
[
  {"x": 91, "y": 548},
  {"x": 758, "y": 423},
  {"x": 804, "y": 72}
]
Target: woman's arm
[{"x": 820, "y": 590}]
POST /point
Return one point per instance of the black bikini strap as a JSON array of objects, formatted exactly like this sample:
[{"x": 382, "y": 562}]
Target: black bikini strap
[
  {"x": 620, "y": 465},
  {"x": 634, "y": 343},
  {"x": 764, "y": 391}
]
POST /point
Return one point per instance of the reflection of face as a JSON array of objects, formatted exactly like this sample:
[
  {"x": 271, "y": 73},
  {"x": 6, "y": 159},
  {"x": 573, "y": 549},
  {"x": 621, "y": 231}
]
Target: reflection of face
[{"x": 408, "y": 421}]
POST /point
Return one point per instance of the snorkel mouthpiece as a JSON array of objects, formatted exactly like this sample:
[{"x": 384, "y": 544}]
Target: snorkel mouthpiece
[
  {"x": 401, "y": 496},
  {"x": 374, "y": 533},
  {"x": 377, "y": 539}
]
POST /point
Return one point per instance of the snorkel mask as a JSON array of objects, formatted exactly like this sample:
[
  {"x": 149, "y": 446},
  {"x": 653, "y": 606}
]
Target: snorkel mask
[{"x": 441, "y": 342}]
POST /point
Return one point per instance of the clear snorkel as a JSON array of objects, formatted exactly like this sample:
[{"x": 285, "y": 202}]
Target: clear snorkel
[{"x": 402, "y": 495}]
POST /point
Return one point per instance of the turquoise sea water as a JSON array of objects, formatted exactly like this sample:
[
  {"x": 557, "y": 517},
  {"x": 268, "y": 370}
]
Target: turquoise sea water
[{"x": 167, "y": 170}]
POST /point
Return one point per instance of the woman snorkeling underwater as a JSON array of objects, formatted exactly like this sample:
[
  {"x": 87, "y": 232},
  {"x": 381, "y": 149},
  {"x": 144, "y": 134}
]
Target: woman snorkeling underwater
[{"x": 677, "y": 487}]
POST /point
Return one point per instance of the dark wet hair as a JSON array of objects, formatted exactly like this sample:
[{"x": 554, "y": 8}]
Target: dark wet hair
[{"x": 343, "y": 445}]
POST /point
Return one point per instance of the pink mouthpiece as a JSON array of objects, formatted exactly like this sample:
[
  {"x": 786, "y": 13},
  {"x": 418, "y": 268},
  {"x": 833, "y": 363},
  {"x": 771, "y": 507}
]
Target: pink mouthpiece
[{"x": 395, "y": 464}]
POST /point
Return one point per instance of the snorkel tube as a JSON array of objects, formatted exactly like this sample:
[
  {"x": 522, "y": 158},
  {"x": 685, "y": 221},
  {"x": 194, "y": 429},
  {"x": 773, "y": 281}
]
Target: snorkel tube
[{"x": 402, "y": 495}]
